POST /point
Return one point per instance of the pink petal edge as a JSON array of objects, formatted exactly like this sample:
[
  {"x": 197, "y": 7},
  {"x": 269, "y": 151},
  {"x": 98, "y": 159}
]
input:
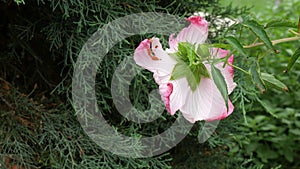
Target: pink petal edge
[
  {"x": 165, "y": 91},
  {"x": 195, "y": 33},
  {"x": 223, "y": 53},
  {"x": 224, "y": 114},
  {"x": 145, "y": 44},
  {"x": 150, "y": 55},
  {"x": 197, "y": 20}
]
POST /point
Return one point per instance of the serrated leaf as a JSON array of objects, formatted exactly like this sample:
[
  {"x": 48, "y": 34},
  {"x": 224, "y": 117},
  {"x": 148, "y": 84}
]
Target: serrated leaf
[
  {"x": 256, "y": 77},
  {"x": 186, "y": 52},
  {"x": 192, "y": 75},
  {"x": 197, "y": 71},
  {"x": 220, "y": 82},
  {"x": 267, "y": 107},
  {"x": 259, "y": 31},
  {"x": 180, "y": 70},
  {"x": 182, "y": 48},
  {"x": 202, "y": 70},
  {"x": 236, "y": 45},
  {"x": 280, "y": 23},
  {"x": 271, "y": 81},
  {"x": 203, "y": 51},
  {"x": 185, "y": 48},
  {"x": 293, "y": 60},
  {"x": 193, "y": 81}
]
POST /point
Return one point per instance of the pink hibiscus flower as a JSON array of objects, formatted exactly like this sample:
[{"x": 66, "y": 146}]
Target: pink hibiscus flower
[{"x": 183, "y": 72}]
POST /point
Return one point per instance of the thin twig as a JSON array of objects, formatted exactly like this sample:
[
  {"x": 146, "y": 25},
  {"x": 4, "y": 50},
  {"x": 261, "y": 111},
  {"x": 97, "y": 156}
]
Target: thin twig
[
  {"x": 6, "y": 102},
  {"x": 274, "y": 42}
]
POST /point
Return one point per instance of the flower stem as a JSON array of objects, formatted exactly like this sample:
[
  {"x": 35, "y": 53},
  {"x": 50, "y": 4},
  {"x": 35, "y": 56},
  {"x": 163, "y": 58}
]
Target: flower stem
[
  {"x": 274, "y": 42},
  {"x": 242, "y": 70},
  {"x": 296, "y": 33}
]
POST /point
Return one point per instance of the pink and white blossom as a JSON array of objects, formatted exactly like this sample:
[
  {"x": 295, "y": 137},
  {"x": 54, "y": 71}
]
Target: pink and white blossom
[{"x": 203, "y": 103}]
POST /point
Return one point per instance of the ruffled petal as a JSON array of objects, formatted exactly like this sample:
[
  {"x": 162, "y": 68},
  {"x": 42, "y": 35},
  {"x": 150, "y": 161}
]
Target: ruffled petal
[
  {"x": 195, "y": 33},
  {"x": 150, "y": 55},
  {"x": 178, "y": 96},
  {"x": 165, "y": 91}
]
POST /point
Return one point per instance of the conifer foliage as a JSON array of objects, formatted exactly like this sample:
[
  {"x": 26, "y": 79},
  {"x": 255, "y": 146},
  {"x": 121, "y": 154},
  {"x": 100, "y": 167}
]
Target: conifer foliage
[{"x": 40, "y": 41}]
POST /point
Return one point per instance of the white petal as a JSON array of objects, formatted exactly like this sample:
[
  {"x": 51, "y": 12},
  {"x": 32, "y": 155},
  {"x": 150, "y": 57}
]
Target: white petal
[
  {"x": 150, "y": 55},
  {"x": 224, "y": 113},
  {"x": 195, "y": 33},
  {"x": 206, "y": 102},
  {"x": 179, "y": 94},
  {"x": 172, "y": 43},
  {"x": 199, "y": 103}
]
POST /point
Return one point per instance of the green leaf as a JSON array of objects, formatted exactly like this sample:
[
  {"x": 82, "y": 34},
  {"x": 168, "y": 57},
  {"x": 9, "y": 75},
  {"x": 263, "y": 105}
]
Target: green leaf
[
  {"x": 203, "y": 51},
  {"x": 220, "y": 83},
  {"x": 259, "y": 31},
  {"x": 185, "y": 49},
  {"x": 289, "y": 154},
  {"x": 252, "y": 146},
  {"x": 295, "y": 131},
  {"x": 280, "y": 23},
  {"x": 271, "y": 81},
  {"x": 186, "y": 52},
  {"x": 193, "y": 74},
  {"x": 267, "y": 106},
  {"x": 265, "y": 152},
  {"x": 182, "y": 48},
  {"x": 236, "y": 45},
  {"x": 256, "y": 77},
  {"x": 270, "y": 127},
  {"x": 202, "y": 70},
  {"x": 180, "y": 70},
  {"x": 220, "y": 45},
  {"x": 194, "y": 78},
  {"x": 293, "y": 60}
]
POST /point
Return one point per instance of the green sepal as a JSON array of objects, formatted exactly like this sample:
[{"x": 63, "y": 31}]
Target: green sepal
[
  {"x": 203, "y": 70},
  {"x": 180, "y": 70},
  {"x": 186, "y": 50},
  {"x": 189, "y": 64},
  {"x": 203, "y": 51},
  {"x": 192, "y": 73}
]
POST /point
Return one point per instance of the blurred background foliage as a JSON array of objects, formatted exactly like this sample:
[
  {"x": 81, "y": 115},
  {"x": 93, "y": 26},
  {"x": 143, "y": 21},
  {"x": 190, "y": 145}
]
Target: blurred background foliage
[
  {"x": 40, "y": 41},
  {"x": 270, "y": 139}
]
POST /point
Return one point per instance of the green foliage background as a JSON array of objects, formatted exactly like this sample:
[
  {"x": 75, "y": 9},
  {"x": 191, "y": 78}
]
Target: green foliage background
[{"x": 40, "y": 41}]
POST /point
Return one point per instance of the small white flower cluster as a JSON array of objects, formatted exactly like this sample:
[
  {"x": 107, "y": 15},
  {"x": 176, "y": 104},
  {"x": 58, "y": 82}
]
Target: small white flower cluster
[{"x": 220, "y": 22}]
